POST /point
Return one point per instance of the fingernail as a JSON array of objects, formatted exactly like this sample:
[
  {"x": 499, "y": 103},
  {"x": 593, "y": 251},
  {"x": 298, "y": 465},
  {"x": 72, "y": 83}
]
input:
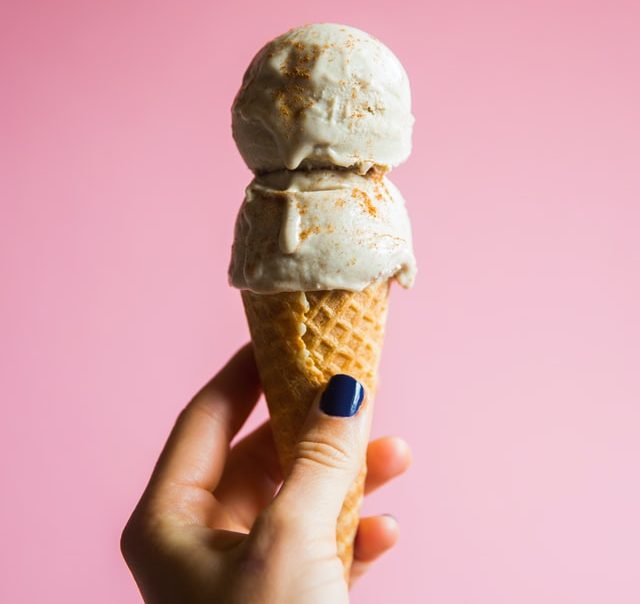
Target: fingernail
[
  {"x": 392, "y": 517},
  {"x": 342, "y": 396}
]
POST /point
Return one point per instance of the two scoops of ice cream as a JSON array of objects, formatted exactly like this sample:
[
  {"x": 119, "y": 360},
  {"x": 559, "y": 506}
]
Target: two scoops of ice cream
[{"x": 324, "y": 112}]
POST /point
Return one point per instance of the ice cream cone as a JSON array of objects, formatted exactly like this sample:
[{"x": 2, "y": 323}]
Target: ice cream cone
[
  {"x": 324, "y": 112},
  {"x": 300, "y": 340}
]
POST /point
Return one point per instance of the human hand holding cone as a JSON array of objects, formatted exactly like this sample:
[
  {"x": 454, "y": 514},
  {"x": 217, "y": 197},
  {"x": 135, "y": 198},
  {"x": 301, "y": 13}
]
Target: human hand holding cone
[{"x": 316, "y": 248}]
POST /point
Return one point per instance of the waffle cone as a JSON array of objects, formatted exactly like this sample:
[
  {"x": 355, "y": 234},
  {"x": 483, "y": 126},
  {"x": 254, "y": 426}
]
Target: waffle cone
[{"x": 300, "y": 340}]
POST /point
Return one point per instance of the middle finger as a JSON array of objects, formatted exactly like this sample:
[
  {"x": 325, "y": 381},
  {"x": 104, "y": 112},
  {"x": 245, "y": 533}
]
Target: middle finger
[{"x": 387, "y": 457}]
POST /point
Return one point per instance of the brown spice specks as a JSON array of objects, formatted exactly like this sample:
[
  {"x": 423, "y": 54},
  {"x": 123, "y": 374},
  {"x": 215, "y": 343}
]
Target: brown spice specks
[
  {"x": 294, "y": 97},
  {"x": 315, "y": 230},
  {"x": 365, "y": 201}
]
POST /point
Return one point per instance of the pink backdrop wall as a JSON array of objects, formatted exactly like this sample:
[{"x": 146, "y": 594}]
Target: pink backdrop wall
[{"x": 512, "y": 367}]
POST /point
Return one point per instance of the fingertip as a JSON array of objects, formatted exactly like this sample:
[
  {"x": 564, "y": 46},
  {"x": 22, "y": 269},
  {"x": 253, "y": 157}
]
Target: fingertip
[
  {"x": 403, "y": 452},
  {"x": 389, "y": 456},
  {"x": 376, "y": 535},
  {"x": 237, "y": 380},
  {"x": 390, "y": 530},
  {"x": 243, "y": 362}
]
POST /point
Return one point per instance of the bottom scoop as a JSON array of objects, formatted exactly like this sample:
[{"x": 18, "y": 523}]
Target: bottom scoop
[{"x": 321, "y": 230}]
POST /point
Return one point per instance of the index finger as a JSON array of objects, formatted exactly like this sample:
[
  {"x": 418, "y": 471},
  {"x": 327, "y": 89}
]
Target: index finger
[{"x": 195, "y": 453}]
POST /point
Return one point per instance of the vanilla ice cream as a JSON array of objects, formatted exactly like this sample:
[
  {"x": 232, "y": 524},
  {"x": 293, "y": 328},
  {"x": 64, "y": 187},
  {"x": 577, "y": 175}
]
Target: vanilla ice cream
[
  {"x": 322, "y": 229},
  {"x": 323, "y": 95}
]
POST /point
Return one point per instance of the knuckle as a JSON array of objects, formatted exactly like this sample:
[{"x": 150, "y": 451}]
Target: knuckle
[
  {"x": 325, "y": 452},
  {"x": 130, "y": 539},
  {"x": 274, "y": 522},
  {"x": 276, "y": 525},
  {"x": 202, "y": 407},
  {"x": 140, "y": 534},
  {"x": 125, "y": 542}
]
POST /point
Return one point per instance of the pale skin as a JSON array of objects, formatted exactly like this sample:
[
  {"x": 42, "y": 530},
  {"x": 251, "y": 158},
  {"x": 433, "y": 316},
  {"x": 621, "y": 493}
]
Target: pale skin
[{"x": 210, "y": 528}]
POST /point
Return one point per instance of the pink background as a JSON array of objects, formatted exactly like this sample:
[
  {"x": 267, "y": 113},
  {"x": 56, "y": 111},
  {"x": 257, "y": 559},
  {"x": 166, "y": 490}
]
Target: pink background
[{"x": 512, "y": 367}]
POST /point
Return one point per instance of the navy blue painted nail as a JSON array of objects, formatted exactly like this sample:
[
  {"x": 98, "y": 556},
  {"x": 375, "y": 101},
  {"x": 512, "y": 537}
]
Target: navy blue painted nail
[{"x": 342, "y": 396}]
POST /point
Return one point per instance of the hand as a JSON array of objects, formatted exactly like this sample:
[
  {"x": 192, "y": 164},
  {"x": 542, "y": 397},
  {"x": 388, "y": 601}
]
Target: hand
[{"x": 208, "y": 528}]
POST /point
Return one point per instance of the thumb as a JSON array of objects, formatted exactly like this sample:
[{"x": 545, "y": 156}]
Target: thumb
[{"x": 330, "y": 452}]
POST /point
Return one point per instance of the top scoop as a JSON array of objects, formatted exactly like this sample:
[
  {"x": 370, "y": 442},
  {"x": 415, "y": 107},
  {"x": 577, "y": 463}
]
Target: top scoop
[{"x": 323, "y": 95}]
